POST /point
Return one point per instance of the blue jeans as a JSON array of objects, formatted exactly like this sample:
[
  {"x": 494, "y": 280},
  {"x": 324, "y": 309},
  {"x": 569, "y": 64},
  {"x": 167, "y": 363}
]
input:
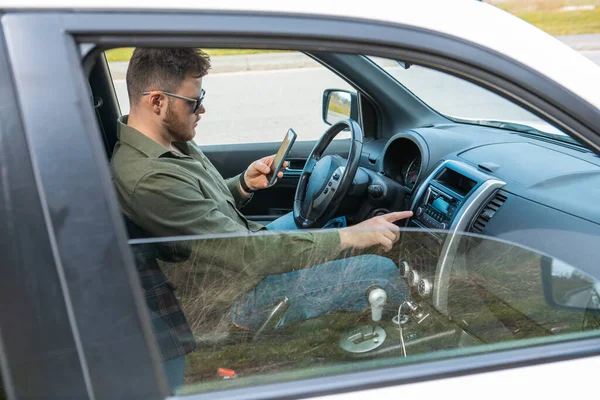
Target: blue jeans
[
  {"x": 286, "y": 223},
  {"x": 335, "y": 285}
]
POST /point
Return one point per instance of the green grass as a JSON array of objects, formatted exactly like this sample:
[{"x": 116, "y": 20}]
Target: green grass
[
  {"x": 546, "y": 15},
  {"x": 514, "y": 6},
  {"x": 564, "y": 22},
  {"x": 124, "y": 54}
]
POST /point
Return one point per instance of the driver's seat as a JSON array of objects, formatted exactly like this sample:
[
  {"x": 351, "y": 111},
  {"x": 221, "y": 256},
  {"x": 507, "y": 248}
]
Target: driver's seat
[
  {"x": 169, "y": 323},
  {"x": 153, "y": 280}
]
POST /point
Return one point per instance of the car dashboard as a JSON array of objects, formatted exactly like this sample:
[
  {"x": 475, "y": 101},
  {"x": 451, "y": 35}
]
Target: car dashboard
[
  {"x": 492, "y": 210},
  {"x": 492, "y": 189},
  {"x": 532, "y": 191}
]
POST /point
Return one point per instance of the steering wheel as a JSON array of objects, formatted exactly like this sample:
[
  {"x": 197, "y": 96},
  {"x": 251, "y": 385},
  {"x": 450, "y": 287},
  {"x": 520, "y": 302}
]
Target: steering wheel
[{"x": 325, "y": 181}]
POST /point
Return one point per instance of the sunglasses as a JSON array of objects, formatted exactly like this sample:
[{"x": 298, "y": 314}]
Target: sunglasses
[{"x": 197, "y": 102}]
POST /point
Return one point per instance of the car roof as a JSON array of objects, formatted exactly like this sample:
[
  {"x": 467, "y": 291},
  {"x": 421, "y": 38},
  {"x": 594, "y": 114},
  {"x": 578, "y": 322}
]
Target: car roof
[{"x": 469, "y": 20}]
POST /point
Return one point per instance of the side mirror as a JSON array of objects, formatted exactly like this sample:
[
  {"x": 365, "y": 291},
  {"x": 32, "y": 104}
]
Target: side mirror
[
  {"x": 404, "y": 64},
  {"x": 566, "y": 287},
  {"x": 338, "y": 105}
]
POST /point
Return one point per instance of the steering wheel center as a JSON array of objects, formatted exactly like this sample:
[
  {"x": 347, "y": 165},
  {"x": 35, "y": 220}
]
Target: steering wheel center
[
  {"x": 325, "y": 181},
  {"x": 322, "y": 174}
]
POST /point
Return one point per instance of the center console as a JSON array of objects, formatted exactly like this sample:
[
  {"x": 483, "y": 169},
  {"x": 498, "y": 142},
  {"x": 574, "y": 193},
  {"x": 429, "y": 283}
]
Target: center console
[
  {"x": 442, "y": 195},
  {"x": 444, "y": 205}
]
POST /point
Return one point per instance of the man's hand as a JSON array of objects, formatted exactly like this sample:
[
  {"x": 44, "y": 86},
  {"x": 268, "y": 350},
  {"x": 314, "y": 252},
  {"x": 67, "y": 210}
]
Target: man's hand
[
  {"x": 377, "y": 231},
  {"x": 256, "y": 174}
]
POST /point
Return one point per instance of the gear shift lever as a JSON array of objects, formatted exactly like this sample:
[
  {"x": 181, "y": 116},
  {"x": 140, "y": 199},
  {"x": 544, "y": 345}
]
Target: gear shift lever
[
  {"x": 377, "y": 298},
  {"x": 365, "y": 338}
]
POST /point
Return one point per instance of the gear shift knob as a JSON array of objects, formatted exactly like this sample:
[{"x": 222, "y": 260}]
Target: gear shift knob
[{"x": 377, "y": 298}]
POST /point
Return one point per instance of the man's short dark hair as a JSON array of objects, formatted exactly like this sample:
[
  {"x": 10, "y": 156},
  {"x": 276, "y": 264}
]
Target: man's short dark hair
[{"x": 163, "y": 69}]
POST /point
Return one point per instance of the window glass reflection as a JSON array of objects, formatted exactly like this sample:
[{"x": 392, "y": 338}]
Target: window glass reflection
[{"x": 239, "y": 328}]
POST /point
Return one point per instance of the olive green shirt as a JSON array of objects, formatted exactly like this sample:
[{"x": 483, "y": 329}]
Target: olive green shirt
[{"x": 168, "y": 193}]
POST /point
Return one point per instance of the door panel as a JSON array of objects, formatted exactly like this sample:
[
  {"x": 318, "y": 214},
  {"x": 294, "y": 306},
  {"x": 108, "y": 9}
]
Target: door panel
[
  {"x": 74, "y": 322},
  {"x": 271, "y": 203}
]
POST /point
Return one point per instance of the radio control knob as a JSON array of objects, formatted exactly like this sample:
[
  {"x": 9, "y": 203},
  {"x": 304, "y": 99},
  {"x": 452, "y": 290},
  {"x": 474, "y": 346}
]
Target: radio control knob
[
  {"x": 424, "y": 287},
  {"x": 404, "y": 268},
  {"x": 443, "y": 226},
  {"x": 414, "y": 277},
  {"x": 419, "y": 211}
]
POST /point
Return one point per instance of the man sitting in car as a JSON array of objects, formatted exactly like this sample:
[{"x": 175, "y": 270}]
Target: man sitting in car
[{"x": 168, "y": 187}]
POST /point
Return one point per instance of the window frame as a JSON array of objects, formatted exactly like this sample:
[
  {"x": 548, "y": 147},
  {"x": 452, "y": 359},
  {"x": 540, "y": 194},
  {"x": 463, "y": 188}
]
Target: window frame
[
  {"x": 60, "y": 32},
  {"x": 33, "y": 289}
]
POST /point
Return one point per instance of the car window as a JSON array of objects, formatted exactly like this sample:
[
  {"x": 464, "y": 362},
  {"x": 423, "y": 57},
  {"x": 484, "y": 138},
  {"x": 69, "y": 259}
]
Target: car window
[
  {"x": 233, "y": 310},
  {"x": 253, "y": 96},
  {"x": 244, "y": 323},
  {"x": 464, "y": 101}
]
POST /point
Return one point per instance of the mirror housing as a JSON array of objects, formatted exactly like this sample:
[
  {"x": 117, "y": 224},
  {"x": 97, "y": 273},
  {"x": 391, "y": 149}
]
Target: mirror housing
[
  {"x": 339, "y": 104},
  {"x": 404, "y": 64},
  {"x": 566, "y": 287}
]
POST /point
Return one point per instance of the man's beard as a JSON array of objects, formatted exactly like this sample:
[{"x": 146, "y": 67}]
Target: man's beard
[{"x": 177, "y": 129}]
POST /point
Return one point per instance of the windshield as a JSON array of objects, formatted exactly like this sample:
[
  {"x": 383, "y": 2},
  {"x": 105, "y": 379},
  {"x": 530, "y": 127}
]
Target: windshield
[{"x": 466, "y": 102}]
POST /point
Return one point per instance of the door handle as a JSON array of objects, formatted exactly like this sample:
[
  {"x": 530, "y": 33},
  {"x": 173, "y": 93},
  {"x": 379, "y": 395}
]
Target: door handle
[{"x": 291, "y": 173}]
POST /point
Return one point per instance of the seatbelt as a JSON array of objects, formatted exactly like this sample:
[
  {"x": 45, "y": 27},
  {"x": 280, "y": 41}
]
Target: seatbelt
[{"x": 98, "y": 102}]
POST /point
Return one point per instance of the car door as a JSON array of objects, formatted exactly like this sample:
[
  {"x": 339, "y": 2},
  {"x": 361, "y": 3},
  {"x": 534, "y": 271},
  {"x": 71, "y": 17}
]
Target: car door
[
  {"x": 96, "y": 341},
  {"x": 51, "y": 329}
]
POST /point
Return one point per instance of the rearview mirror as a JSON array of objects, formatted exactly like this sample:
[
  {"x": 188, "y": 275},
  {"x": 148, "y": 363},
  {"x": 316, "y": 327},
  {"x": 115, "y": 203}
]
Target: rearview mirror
[
  {"x": 338, "y": 105},
  {"x": 570, "y": 288}
]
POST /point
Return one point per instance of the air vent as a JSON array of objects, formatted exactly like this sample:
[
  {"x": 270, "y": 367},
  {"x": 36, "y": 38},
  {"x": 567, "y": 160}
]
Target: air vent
[{"x": 487, "y": 213}]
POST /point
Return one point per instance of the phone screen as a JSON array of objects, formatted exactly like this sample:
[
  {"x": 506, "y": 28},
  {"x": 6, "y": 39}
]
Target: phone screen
[{"x": 282, "y": 153}]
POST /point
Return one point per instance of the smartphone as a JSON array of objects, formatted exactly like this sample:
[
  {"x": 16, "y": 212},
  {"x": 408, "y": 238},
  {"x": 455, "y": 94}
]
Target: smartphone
[{"x": 282, "y": 153}]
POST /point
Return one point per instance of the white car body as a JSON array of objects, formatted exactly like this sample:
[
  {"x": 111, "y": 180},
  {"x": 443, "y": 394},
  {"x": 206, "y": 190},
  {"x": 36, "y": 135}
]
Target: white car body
[{"x": 470, "y": 21}]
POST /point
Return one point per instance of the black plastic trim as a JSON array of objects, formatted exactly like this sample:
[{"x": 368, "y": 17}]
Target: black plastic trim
[
  {"x": 100, "y": 284},
  {"x": 38, "y": 345}
]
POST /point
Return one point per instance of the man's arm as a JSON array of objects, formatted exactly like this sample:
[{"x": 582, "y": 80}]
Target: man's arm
[
  {"x": 167, "y": 204},
  {"x": 241, "y": 198},
  {"x": 255, "y": 178}
]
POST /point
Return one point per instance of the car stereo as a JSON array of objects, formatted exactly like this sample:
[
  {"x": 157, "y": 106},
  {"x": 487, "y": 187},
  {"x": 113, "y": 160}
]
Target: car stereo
[
  {"x": 437, "y": 209},
  {"x": 444, "y": 193}
]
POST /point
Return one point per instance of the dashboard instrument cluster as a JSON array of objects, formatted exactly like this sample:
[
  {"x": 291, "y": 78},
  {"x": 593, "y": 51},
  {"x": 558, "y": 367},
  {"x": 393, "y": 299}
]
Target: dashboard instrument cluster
[{"x": 402, "y": 162}]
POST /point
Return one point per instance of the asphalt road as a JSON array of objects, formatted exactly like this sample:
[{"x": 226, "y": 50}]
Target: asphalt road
[
  {"x": 259, "y": 106},
  {"x": 592, "y": 55}
]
